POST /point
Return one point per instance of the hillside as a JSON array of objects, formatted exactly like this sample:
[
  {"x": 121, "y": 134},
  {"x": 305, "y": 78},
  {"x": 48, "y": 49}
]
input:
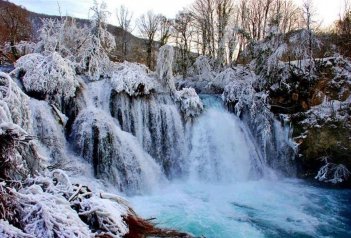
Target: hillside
[{"x": 136, "y": 46}]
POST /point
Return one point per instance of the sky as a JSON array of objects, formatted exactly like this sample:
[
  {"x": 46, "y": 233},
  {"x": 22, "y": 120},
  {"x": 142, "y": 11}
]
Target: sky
[{"x": 327, "y": 10}]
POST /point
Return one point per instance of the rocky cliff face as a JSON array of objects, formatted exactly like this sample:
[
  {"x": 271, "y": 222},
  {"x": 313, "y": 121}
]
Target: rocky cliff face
[{"x": 319, "y": 108}]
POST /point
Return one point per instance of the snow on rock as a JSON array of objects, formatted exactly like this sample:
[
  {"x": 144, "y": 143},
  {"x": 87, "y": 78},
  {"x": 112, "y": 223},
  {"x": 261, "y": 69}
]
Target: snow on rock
[
  {"x": 19, "y": 156},
  {"x": 48, "y": 74},
  {"x": 239, "y": 92},
  {"x": 133, "y": 79},
  {"x": 229, "y": 75},
  {"x": 15, "y": 131},
  {"x": 341, "y": 68},
  {"x": 190, "y": 103},
  {"x": 110, "y": 211},
  {"x": 50, "y": 206},
  {"x": 224, "y": 78},
  {"x": 328, "y": 111}
]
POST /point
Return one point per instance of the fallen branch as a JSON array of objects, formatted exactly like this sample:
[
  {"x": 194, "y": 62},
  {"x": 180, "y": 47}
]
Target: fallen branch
[{"x": 140, "y": 228}]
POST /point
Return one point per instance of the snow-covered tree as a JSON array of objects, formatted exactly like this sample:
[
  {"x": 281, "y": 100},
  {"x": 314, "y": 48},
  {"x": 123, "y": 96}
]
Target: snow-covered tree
[
  {"x": 267, "y": 55},
  {"x": 48, "y": 75},
  {"x": 203, "y": 68},
  {"x": 241, "y": 96},
  {"x": 95, "y": 60},
  {"x": 86, "y": 47},
  {"x": 164, "y": 67},
  {"x": 14, "y": 104}
]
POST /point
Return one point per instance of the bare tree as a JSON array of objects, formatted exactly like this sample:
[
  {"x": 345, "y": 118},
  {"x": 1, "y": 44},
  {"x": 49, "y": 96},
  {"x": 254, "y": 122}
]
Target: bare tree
[
  {"x": 183, "y": 35},
  {"x": 124, "y": 19},
  {"x": 224, "y": 8},
  {"x": 343, "y": 29},
  {"x": 290, "y": 16},
  {"x": 203, "y": 12},
  {"x": 308, "y": 13},
  {"x": 233, "y": 37},
  {"x": 148, "y": 25},
  {"x": 99, "y": 17},
  {"x": 165, "y": 30},
  {"x": 343, "y": 25}
]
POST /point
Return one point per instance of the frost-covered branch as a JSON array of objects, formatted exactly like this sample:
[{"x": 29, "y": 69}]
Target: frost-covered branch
[{"x": 11, "y": 162}]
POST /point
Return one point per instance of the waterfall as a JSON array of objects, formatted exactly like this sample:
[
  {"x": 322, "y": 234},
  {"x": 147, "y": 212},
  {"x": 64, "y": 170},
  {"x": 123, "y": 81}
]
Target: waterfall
[
  {"x": 136, "y": 141},
  {"x": 116, "y": 155},
  {"x": 157, "y": 124},
  {"x": 277, "y": 146},
  {"x": 135, "y": 129},
  {"x": 49, "y": 131},
  {"x": 132, "y": 141},
  {"x": 222, "y": 148}
]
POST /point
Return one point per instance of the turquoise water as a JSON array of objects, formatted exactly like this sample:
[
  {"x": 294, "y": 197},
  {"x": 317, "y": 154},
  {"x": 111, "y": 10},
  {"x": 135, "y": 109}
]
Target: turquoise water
[
  {"x": 264, "y": 208},
  {"x": 229, "y": 191}
]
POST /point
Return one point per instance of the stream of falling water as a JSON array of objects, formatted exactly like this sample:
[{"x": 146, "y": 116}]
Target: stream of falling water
[{"x": 231, "y": 193}]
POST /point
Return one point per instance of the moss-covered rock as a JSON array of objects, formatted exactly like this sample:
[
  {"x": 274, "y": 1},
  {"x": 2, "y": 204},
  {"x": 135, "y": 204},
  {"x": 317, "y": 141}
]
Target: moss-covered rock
[{"x": 332, "y": 140}]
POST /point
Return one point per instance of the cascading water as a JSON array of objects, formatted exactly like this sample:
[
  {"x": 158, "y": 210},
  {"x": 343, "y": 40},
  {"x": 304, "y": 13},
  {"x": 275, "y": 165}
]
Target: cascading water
[
  {"x": 230, "y": 191},
  {"x": 157, "y": 124},
  {"x": 116, "y": 155},
  {"x": 227, "y": 189},
  {"x": 222, "y": 148},
  {"x": 133, "y": 129}
]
